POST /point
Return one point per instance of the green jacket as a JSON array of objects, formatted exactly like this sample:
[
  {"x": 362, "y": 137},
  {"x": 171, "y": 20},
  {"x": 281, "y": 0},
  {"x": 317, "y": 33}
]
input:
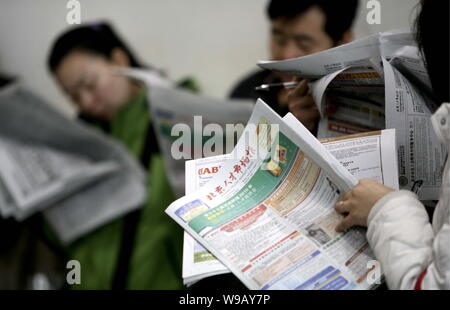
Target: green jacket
[{"x": 156, "y": 258}]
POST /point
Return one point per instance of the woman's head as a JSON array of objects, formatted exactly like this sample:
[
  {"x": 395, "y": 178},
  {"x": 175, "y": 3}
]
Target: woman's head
[
  {"x": 432, "y": 34},
  {"x": 83, "y": 61}
]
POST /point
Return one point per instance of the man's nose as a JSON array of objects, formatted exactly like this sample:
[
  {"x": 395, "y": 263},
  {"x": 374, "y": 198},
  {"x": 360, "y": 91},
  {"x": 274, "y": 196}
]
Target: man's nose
[{"x": 290, "y": 50}]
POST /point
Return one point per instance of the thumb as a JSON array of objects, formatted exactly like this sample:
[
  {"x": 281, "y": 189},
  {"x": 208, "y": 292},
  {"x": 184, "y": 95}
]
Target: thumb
[{"x": 346, "y": 223}]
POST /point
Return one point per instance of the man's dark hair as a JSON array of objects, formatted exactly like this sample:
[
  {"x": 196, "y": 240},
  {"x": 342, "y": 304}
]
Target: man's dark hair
[
  {"x": 97, "y": 38},
  {"x": 432, "y": 35},
  {"x": 339, "y": 14}
]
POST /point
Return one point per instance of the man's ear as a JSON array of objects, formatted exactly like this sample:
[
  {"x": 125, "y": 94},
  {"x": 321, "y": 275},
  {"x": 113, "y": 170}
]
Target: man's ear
[
  {"x": 120, "y": 58},
  {"x": 347, "y": 37}
]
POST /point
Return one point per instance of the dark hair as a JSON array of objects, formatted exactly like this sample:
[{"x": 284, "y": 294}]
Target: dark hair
[
  {"x": 432, "y": 35},
  {"x": 5, "y": 80},
  {"x": 339, "y": 14},
  {"x": 96, "y": 38}
]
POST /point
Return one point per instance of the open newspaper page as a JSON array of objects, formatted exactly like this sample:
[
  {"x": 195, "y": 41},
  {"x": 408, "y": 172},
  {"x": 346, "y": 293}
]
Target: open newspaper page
[
  {"x": 78, "y": 177},
  {"x": 268, "y": 215},
  {"x": 176, "y": 111},
  {"x": 324, "y": 63},
  {"x": 198, "y": 262},
  {"x": 368, "y": 155},
  {"x": 421, "y": 156},
  {"x": 347, "y": 85},
  {"x": 409, "y": 106},
  {"x": 356, "y": 97},
  {"x": 37, "y": 176},
  {"x": 387, "y": 86}
]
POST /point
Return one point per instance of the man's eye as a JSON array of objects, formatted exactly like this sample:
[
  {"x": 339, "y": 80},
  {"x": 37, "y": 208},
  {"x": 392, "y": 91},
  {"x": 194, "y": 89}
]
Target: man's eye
[
  {"x": 74, "y": 97},
  {"x": 90, "y": 85},
  {"x": 280, "y": 40},
  {"x": 304, "y": 47}
]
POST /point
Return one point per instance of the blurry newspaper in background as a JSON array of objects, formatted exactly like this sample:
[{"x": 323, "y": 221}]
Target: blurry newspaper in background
[
  {"x": 374, "y": 83},
  {"x": 33, "y": 177},
  {"x": 79, "y": 178},
  {"x": 367, "y": 155},
  {"x": 213, "y": 126},
  {"x": 268, "y": 214}
]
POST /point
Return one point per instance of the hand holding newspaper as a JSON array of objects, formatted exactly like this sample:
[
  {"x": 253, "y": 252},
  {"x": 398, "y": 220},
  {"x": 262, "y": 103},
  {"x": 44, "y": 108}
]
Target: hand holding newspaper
[
  {"x": 369, "y": 155},
  {"x": 268, "y": 214},
  {"x": 374, "y": 83}
]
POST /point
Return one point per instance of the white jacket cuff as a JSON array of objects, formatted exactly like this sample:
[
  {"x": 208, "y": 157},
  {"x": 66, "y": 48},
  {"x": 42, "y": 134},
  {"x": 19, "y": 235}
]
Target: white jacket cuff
[
  {"x": 389, "y": 199},
  {"x": 400, "y": 236}
]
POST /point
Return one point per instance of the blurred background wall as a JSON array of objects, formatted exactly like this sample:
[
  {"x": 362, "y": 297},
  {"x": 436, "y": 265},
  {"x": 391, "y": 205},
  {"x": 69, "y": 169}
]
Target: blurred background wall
[{"x": 216, "y": 41}]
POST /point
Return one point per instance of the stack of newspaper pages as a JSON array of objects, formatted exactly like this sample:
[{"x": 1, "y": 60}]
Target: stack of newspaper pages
[
  {"x": 374, "y": 83},
  {"x": 266, "y": 210},
  {"x": 77, "y": 177}
]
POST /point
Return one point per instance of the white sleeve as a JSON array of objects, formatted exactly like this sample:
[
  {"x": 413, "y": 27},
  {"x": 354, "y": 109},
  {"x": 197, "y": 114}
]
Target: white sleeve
[
  {"x": 438, "y": 273},
  {"x": 401, "y": 237}
]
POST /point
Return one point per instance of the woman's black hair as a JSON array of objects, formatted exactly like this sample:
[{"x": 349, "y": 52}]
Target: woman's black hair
[
  {"x": 96, "y": 38},
  {"x": 432, "y": 35}
]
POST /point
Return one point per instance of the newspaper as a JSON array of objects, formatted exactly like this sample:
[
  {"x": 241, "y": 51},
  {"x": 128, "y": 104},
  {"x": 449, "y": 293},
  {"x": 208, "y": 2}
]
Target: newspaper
[
  {"x": 368, "y": 155},
  {"x": 214, "y": 124},
  {"x": 36, "y": 176},
  {"x": 198, "y": 262},
  {"x": 374, "y": 83},
  {"x": 79, "y": 178},
  {"x": 174, "y": 107},
  {"x": 421, "y": 156},
  {"x": 268, "y": 213}
]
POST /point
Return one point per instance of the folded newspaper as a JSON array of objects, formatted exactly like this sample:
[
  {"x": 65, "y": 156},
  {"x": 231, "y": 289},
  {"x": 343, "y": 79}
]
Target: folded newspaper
[
  {"x": 374, "y": 83},
  {"x": 79, "y": 178},
  {"x": 267, "y": 212}
]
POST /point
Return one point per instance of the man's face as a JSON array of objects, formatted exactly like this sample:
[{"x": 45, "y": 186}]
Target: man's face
[{"x": 299, "y": 36}]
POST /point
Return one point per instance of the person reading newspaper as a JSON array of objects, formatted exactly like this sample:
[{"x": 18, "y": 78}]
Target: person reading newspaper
[
  {"x": 89, "y": 63},
  {"x": 372, "y": 83},
  {"x": 368, "y": 155},
  {"x": 298, "y": 28},
  {"x": 268, "y": 214},
  {"x": 59, "y": 181},
  {"x": 414, "y": 239},
  {"x": 413, "y": 253},
  {"x": 140, "y": 108}
]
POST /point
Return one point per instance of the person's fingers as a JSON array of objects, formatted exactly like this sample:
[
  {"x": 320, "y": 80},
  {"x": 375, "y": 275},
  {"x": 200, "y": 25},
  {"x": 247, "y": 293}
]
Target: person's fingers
[
  {"x": 346, "y": 196},
  {"x": 345, "y": 224},
  {"x": 283, "y": 97},
  {"x": 304, "y": 102},
  {"x": 341, "y": 207},
  {"x": 300, "y": 90},
  {"x": 310, "y": 113}
]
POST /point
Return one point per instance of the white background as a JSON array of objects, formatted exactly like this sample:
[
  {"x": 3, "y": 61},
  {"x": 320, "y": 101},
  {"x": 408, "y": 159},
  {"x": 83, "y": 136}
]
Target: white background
[{"x": 215, "y": 41}]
